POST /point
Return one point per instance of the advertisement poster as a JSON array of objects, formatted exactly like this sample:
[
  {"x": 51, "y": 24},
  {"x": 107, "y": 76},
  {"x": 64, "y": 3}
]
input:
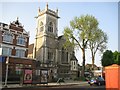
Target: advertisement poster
[
  {"x": 28, "y": 76},
  {"x": 44, "y": 75}
]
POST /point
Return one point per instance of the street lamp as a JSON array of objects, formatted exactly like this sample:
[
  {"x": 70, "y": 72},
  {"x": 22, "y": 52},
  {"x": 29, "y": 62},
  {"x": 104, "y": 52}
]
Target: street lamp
[{"x": 6, "y": 77}]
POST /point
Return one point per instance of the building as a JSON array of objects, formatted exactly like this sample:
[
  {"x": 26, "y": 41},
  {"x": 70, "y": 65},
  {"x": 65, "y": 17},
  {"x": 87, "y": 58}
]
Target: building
[
  {"x": 14, "y": 41},
  {"x": 30, "y": 50},
  {"x": 90, "y": 72},
  {"x": 88, "y": 67},
  {"x": 75, "y": 67},
  {"x": 49, "y": 47}
]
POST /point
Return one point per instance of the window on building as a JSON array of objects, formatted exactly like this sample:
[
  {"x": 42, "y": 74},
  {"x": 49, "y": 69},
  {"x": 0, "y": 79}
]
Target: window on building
[
  {"x": 61, "y": 71},
  {"x": 6, "y": 51},
  {"x": 28, "y": 66},
  {"x": 74, "y": 63},
  {"x": 7, "y": 37},
  {"x": 64, "y": 57},
  {"x": 21, "y": 40},
  {"x": 50, "y": 55},
  {"x": 41, "y": 27},
  {"x": 37, "y": 72},
  {"x": 67, "y": 57},
  {"x": 74, "y": 68},
  {"x": 50, "y": 27},
  {"x": 18, "y": 69},
  {"x": 11, "y": 70},
  {"x": 20, "y": 53}
]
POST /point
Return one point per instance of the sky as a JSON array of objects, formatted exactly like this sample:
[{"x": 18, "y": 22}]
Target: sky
[{"x": 105, "y": 12}]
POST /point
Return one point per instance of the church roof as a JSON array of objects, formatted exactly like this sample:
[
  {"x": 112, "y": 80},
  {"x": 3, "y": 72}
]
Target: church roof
[
  {"x": 60, "y": 37},
  {"x": 73, "y": 57}
]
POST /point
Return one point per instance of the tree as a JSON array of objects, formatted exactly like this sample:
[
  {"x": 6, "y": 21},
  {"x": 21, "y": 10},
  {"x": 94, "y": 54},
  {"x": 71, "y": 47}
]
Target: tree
[
  {"x": 97, "y": 42},
  {"x": 107, "y": 58},
  {"x": 116, "y": 56},
  {"x": 79, "y": 33},
  {"x": 118, "y": 59}
]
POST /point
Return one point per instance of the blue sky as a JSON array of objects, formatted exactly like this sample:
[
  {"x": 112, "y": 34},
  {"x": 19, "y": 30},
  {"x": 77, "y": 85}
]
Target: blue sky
[{"x": 105, "y": 12}]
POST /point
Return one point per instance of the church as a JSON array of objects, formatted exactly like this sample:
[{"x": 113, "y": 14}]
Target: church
[{"x": 48, "y": 48}]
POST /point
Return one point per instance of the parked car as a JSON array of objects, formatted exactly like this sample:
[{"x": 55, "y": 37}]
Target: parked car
[{"x": 97, "y": 81}]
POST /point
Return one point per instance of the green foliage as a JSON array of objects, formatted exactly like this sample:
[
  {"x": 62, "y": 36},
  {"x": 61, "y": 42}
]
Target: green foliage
[
  {"x": 107, "y": 58},
  {"x": 118, "y": 59},
  {"x": 68, "y": 33},
  {"x": 98, "y": 40},
  {"x": 110, "y": 58},
  {"x": 84, "y": 25},
  {"x": 81, "y": 30},
  {"x": 85, "y": 22},
  {"x": 116, "y": 56}
]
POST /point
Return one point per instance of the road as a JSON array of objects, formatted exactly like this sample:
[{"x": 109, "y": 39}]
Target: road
[
  {"x": 75, "y": 87},
  {"x": 83, "y": 87}
]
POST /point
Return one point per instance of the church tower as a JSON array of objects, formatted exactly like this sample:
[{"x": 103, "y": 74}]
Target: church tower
[{"x": 46, "y": 36}]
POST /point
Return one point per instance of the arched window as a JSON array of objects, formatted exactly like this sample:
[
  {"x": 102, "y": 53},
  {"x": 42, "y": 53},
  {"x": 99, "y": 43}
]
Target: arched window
[
  {"x": 50, "y": 27},
  {"x": 21, "y": 40},
  {"x": 41, "y": 27},
  {"x": 64, "y": 56},
  {"x": 7, "y": 37}
]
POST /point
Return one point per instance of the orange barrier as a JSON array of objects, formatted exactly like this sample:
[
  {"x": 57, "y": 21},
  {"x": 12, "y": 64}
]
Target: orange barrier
[{"x": 112, "y": 77}]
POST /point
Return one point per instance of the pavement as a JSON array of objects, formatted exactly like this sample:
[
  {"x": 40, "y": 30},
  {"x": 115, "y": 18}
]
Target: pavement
[{"x": 66, "y": 83}]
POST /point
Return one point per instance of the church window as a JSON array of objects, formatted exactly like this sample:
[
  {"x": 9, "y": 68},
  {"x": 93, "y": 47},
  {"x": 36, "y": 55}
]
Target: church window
[
  {"x": 74, "y": 68},
  {"x": 50, "y": 55},
  {"x": 64, "y": 57},
  {"x": 74, "y": 62},
  {"x": 41, "y": 27},
  {"x": 50, "y": 27}
]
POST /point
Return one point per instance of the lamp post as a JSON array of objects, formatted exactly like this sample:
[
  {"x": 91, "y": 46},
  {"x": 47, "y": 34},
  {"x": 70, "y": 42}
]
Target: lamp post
[{"x": 6, "y": 76}]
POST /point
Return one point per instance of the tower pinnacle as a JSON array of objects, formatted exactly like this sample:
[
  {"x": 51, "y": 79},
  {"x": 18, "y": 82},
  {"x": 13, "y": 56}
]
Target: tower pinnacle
[
  {"x": 17, "y": 18},
  {"x": 38, "y": 10},
  {"x": 57, "y": 10},
  {"x": 46, "y": 6}
]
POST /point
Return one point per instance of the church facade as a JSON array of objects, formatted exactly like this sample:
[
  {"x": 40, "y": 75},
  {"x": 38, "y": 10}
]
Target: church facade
[{"x": 49, "y": 47}]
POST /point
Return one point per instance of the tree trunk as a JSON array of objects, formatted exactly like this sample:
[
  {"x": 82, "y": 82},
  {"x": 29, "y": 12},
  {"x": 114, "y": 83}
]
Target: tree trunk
[
  {"x": 93, "y": 59},
  {"x": 83, "y": 64}
]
